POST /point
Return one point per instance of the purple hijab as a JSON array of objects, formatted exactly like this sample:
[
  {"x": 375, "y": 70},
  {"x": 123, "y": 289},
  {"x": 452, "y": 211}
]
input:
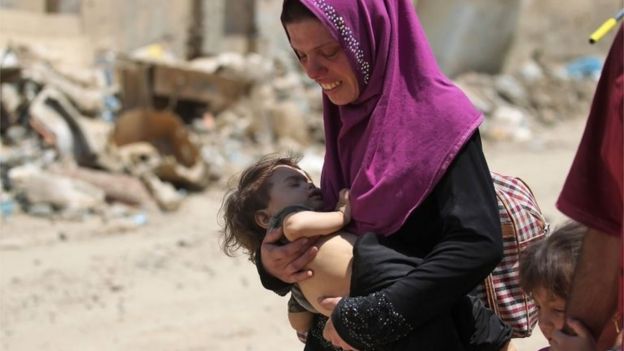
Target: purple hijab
[{"x": 393, "y": 144}]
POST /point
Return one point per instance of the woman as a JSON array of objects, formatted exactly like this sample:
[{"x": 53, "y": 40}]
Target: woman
[{"x": 404, "y": 139}]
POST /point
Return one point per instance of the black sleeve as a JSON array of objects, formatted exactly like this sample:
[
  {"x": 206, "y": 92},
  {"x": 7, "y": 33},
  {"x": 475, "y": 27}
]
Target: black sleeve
[
  {"x": 466, "y": 247},
  {"x": 270, "y": 282}
]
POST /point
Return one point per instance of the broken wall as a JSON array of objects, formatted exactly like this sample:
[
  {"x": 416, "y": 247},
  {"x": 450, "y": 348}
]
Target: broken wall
[
  {"x": 272, "y": 40},
  {"x": 491, "y": 36},
  {"x": 470, "y": 35},
  {"x": 559, "y": 31},
  {"x": 126, "y": 25}
]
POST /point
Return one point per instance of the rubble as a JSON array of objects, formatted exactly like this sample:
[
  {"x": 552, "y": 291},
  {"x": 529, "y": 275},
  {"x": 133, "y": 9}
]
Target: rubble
[
  {"x": 39, "y": 187},
  {"x": 534, "y": 97},
  {"x": 120, "y": 188},
  {"x": 140, "y": 132}
]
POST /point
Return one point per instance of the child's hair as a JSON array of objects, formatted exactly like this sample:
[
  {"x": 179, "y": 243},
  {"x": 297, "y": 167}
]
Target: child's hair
[
  {"x": 241, "y": 202},
  {"x": 550, "y": 263}
]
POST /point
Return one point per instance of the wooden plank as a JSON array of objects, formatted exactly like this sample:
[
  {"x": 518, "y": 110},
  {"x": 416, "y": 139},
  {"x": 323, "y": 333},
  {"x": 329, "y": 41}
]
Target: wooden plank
[
  {"x": 185, "y": 84},
  {"x": 133, "y": 78}
]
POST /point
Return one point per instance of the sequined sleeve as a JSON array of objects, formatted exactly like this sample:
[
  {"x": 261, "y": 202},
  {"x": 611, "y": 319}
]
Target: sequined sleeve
[{"x": 369, "y": 322}]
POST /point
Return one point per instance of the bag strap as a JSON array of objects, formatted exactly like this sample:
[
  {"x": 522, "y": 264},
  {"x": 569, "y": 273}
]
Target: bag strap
[{"x": 490, "y": 294}]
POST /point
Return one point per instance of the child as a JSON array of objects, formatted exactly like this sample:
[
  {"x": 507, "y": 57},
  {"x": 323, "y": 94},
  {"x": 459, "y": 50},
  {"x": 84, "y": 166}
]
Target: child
[
  {"x": 546, "y": 271},
  {"x": 276, "y": 192}
]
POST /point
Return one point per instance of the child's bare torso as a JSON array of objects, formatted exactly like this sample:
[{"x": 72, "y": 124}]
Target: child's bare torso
[{"x": 332, "y": 270}]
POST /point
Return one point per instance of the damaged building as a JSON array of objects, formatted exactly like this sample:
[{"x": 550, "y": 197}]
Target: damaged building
[{"x": 140, "y": 103}]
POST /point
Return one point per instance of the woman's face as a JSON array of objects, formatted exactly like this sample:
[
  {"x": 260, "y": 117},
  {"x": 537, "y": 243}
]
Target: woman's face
[{"x": 324, "y": 60}]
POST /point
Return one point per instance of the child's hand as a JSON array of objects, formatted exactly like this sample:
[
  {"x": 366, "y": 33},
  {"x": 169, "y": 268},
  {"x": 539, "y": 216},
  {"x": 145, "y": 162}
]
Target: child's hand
[
  {"x": 582, "y": 341},
  {"x": 344, "y": 205}
]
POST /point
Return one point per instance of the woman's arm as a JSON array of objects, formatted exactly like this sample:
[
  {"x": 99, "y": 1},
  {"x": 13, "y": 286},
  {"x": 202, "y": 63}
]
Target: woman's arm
[
  {"x": 470, "y": 241},
  {"x": 468, "y": 246}
]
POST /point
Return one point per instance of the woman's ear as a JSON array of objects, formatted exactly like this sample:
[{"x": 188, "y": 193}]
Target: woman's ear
[{"x": 263, "y": 218}]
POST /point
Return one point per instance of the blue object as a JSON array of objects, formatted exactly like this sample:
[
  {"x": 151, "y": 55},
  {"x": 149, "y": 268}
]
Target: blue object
[
  {"x": 7, "y": 207},
  {"x": 139, "y": 219},
  {"x": 585, "y": 67}
]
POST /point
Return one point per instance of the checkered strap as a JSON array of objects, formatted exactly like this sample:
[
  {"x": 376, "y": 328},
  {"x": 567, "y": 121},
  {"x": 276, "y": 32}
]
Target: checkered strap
[{"x": 522, "y": 223}]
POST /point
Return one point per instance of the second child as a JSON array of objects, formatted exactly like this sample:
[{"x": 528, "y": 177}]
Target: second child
[{"x": 546, "y": 273}]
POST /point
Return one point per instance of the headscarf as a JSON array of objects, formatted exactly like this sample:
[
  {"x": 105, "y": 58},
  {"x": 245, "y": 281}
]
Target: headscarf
[{"x": 393, "y": 144}]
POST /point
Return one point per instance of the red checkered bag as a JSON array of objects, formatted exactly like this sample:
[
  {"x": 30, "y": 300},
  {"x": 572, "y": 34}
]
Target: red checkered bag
[{"x": 522, "y": 223}]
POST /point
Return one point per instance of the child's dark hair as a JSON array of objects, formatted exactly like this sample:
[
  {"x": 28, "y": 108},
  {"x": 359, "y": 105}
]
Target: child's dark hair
[
  {"x": 294, "y": 10},
  {"x": 241, "y": 202},
  {"x": 550, "y": 263}
]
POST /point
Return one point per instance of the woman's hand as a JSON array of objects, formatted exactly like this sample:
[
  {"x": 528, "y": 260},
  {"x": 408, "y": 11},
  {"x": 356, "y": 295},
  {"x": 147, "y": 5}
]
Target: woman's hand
[
  {"x": 286, "y": 262},
  {"x": 582, "y": 341},
  {"x": 331, "y": 335},
  {"x": 344, "y": 205},
  {"x": 329, "y": 332}
]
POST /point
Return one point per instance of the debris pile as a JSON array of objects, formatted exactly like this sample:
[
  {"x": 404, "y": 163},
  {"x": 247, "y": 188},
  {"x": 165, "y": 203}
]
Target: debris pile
[
  {"x": 77, "y": 141},
  {"x": 137, "y": 133},
  {"x": 534, "y": 97}
]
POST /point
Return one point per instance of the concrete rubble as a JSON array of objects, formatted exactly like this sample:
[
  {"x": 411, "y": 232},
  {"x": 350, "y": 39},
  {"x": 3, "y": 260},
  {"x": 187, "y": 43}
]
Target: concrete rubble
[
  {"x": 135, "y": 134},
  {"x": 534, "y": 97}
]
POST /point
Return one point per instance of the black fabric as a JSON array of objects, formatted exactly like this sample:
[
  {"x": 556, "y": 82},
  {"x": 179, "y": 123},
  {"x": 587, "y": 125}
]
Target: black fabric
[
  {"x": 315, "y": 340},
  {"x": 278, "y": 218},
  {"x": 456, "y": 231},
  {"x": 277, "y": 222},
  {"x": 376, "y": 266},
  {"x": 378, "y": 326},
  {"x": 269, "y": 281},
  {"x": 438, "y": 335},
  {"x": 478, "y": 327},
  {"x": 294, "y": 306},
  {"x": 370, "y": 322}
]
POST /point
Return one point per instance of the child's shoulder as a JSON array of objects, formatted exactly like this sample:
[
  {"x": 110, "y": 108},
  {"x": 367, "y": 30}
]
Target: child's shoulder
[{"x": 278, "y": 218}]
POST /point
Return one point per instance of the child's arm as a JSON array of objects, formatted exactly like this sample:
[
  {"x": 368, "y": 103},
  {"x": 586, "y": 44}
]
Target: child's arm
[{"x": 310, "y": 223}]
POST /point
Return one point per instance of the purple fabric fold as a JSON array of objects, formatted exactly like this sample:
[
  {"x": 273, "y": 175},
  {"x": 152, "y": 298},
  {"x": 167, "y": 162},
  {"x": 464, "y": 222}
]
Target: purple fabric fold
[{"x": 393, "y": 144}]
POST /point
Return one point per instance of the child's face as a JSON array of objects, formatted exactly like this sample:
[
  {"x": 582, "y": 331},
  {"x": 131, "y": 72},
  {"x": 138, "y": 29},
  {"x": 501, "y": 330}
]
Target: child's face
[
  {"x": 551, "y": 311},
  {"x": 291, "y": 186}
]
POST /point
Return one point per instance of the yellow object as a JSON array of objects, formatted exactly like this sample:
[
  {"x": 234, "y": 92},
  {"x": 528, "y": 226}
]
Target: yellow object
[
  {"x": 156, "y": 51},
  {"x": 602, "y": 30}
]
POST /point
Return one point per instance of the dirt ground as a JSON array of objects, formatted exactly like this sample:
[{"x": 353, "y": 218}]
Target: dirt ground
[{"x": 166, "y": 286}]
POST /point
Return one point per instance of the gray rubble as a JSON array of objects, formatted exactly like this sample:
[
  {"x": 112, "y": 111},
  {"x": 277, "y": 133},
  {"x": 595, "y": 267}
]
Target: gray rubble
[{"x": 139, "y": 134}]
